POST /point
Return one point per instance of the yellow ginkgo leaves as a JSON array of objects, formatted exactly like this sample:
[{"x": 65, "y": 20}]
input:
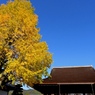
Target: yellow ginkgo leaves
[{"x": 27, "y": 57}]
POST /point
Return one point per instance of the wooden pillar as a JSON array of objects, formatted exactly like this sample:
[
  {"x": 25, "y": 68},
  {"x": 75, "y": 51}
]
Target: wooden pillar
[
  {"x": 83, "y": 93},
  {"x": 92, "y": 89},
  {"x": 59, "y": 93}
]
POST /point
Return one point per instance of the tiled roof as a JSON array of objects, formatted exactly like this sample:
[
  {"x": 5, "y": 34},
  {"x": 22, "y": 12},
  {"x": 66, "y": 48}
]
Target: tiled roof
[{"x": 71, "y": 75}]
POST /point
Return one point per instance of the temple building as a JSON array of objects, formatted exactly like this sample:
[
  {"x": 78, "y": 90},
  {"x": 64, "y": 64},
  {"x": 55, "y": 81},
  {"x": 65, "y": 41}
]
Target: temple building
[{"x": 79, "y": 80}]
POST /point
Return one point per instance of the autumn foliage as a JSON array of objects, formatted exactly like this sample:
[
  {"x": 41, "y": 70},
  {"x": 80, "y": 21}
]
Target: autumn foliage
[{"x": 22, "y": 53}]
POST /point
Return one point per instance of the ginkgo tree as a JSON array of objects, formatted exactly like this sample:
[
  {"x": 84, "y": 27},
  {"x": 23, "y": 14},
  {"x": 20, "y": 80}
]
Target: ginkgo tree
[{"x": 22, "y": 53}]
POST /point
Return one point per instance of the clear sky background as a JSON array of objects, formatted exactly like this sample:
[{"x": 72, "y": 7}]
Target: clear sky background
[{"x": 68, "y": 27}]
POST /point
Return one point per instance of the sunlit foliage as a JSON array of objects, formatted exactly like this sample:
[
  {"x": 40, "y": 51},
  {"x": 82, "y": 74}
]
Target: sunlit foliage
[{"x": 20, "y": 43}]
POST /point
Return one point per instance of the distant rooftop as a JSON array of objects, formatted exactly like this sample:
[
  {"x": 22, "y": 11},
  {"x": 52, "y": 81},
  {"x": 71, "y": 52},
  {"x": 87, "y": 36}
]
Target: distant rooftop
[{"x": 71, "y": 75}]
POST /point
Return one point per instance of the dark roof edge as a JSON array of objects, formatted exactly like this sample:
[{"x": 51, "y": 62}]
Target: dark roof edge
[{"x": 71, "y": 83}]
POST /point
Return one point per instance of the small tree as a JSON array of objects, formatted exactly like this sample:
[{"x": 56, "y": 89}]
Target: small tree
[{"x": 23, "y": 56}]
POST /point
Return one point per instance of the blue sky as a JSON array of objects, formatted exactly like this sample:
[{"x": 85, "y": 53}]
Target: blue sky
[{"x": 68, "y": 27}]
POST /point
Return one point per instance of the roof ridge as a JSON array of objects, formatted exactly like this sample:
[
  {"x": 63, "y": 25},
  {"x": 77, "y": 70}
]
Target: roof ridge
[{"x": 74, "y": 66}]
